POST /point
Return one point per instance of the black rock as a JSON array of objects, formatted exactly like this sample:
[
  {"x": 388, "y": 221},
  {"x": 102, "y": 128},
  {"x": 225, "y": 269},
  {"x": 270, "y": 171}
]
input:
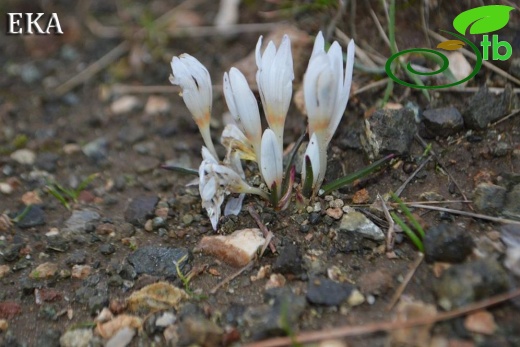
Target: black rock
[
  {"x": 447, "y": 243},
  {"x": 489, "y": 198},
  {"x": 322, "y": 291},
  {"x": 465, "y": 283},
  {"x": 289, "y": 262},
  {"x": 33, "y": 218},
  {"x": 388, "y": 131},
  {"x": 486, "y": 107},
  {"x": 443, "y": 122},
  {"x": 107, "y": 249},
  {"x": 140, "y": 209},
  {"x": 47, "y": 161},
  {"x": 314, "y": 218},
  {"x": 77, "y": 257},
  {"x": 159, "y": 261}
]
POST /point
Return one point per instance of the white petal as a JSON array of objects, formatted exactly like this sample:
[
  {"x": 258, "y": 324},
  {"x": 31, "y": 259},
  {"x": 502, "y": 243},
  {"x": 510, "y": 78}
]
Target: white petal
[
  {"x": 272, "y": 157},
  {"x": 319, "y": 45},
  {"x": 274, "y": 78},
  {"x": 234, "y": 205},
  {"x": 258, "y": 54},
  {"x": 246, "y": 106},
  {"x": 343, "y": 91},
  {"x": 208, "y": 190}
]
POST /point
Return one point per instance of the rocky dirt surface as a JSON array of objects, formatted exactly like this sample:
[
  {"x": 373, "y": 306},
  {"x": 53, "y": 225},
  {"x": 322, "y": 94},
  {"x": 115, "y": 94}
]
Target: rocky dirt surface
[{"x": 100, "y": 246}]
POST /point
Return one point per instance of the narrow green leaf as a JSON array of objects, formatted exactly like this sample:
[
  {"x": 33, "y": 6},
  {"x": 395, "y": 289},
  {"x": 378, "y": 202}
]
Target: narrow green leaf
[
  {"x": 408, "y": 214},
  {"x": 483, "y": 19},
  {"x": 343, "y": 181},
  {"x": 415, "y": 240},
  {"x": 58, "y": 196},
  {"x": 22, "y": 214},
  {"x": 84, "y": 184},
  {"x": 182, "y": 170}
]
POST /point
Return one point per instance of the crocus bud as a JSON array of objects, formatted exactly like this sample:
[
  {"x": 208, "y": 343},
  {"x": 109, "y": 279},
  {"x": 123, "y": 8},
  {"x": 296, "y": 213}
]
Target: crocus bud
[{"x": 195, "y": 82}]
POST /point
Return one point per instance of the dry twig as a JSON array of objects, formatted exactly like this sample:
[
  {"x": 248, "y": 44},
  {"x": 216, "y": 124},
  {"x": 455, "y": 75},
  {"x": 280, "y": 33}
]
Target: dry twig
[
  {"x": 232, "y": 277},
  {"x": 467, "y": 214},
  {"x": 407, "y": 279},
  {"x": 267, "y": 234},
  {"x": 409, "y": 179},
  {"x": 115, "y": 53},
  {"x": 390, "y": 235}
]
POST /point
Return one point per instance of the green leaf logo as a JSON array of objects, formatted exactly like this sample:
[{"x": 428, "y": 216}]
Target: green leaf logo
[{"x": 483, "y": 19}]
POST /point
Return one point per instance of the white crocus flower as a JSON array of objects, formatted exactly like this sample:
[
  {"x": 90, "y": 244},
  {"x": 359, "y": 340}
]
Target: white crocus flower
[
  {"x": 274, "y": 78},
  {"x": 195, "y": 81},
  {"x": 272, "y": 157},
  {"x": 218, "y": 180},
  {"x": 326, "y": 88},
  {"x": 243, "y": 107}
]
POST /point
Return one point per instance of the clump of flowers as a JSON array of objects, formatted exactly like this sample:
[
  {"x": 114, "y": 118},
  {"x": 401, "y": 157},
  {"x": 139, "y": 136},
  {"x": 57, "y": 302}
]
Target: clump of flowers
[{"x": 326, "y": 87}]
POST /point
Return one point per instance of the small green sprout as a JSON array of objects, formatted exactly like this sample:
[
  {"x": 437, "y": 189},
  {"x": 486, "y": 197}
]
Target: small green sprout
[
  {"x": 66, "y": 195},
  {"x": 416, "y": 236}
]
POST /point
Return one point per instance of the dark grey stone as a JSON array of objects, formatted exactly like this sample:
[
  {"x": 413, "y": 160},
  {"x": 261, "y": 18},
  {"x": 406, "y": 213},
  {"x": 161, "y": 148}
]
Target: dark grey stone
[
  {"x": 512, "y": 203},
  {"x": 314, "y": 218},
  {"x": 57, "y": 243},
  {"x": 97, "y": 150},
  {"x": 107, "y": 249},
  {"x": 489, "y": 198},
  {"x": 486, "y": 107},
  {"x": 35, "y": 217},
  {"x": 443, "y": 122},
  {"x": 447, "y": 243},
  {"x": 47, "y": 161},
  {"x": 140, "y": 209},
  {"x": 77, "y": 257},
  {"x": 388, "y": 131},
  {"x": 159, "y": 261},
  {"x": 282, "y": 308},
  {"x": 347, "y": 241},
  {"x": 465, "y": 283},
  {"x": 322, "y": 291},
  {"x": 49, "y": 338},
  {"x": 97, "y": 302},
  {"x": 80, "y": 220},
  {"x": 12, "y": 252},
  {"x": 289, "y": 262},
  {"x": 130, "y": 134}
]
